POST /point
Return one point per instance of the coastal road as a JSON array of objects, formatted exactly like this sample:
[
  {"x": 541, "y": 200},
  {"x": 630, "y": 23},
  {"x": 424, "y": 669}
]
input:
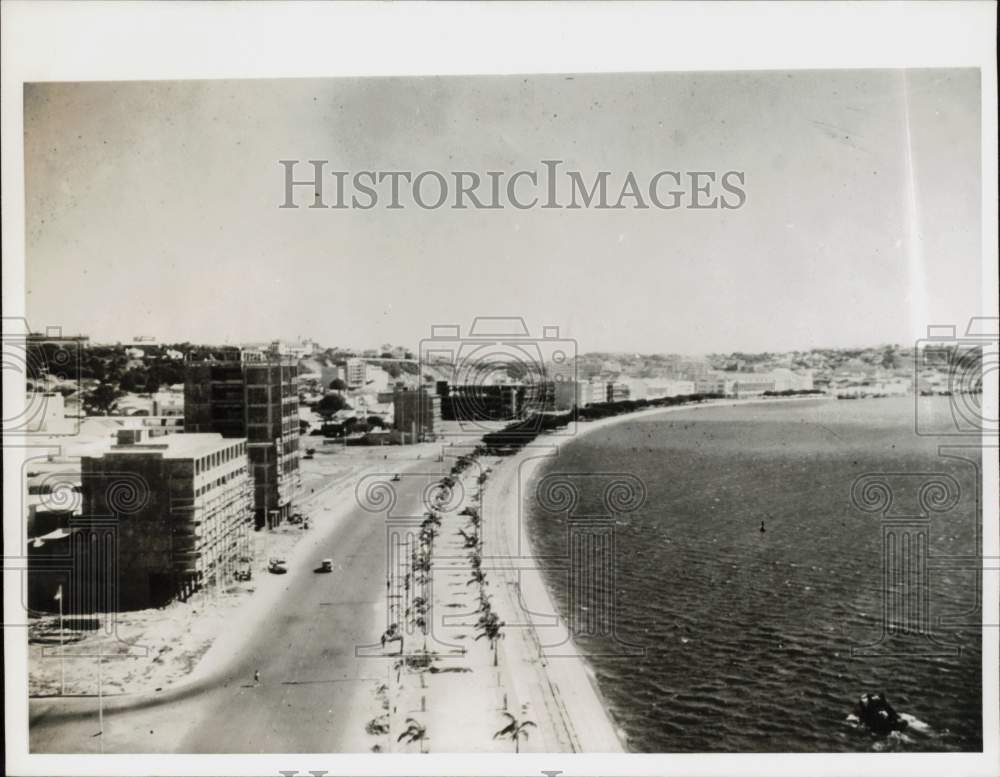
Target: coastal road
[{"x": 315, "y": 693}]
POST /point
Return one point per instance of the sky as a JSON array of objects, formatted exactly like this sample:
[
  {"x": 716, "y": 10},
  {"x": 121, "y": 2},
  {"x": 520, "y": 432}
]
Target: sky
[{"x": 153, "y": 209}]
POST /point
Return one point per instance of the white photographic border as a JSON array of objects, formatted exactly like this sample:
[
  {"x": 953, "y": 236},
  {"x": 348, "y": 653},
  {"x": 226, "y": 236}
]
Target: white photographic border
[{"x": 61, "y": 41}]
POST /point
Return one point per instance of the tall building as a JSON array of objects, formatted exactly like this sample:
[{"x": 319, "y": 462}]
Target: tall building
[
  {"x": 251, "y": 393},
  {"x": 416, "y": 414},
  {"x": 354, "y": 372},
  {"x": 183, "y": 511}
]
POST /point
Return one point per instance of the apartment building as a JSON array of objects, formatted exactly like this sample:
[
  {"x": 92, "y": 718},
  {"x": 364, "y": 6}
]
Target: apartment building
[
  {"x": 354, "y": 372},
  {"x": 416, "y": 414},
  {"x": 182, "y": 506},
  {"x": 251, "y": 394}
]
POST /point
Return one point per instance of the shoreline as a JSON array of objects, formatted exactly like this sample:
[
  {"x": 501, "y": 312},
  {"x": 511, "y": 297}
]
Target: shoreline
[{"x": 577, "y": 709}]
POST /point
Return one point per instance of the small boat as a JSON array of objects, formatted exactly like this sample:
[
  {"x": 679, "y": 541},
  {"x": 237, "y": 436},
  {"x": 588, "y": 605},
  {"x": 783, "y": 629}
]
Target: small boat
[{"x": 877, "y": 715}]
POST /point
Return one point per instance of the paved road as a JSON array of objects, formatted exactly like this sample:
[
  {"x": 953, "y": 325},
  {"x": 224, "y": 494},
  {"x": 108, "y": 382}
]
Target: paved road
[{"x": 314, "y": 689}]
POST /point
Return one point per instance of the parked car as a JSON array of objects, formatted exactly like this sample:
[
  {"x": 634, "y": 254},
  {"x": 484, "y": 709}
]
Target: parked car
[
  {"x": 326, "y": 565},
  {"x": 277, "y": 566}
]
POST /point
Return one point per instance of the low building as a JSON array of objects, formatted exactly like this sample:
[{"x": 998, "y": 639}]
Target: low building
[
  {"x": 617, "y": 391},
  {"x": 657, "y": 388},
  {"x": 714, "y": 383},
  {"x": 748, "y": 384},
  {"x": 183, "y": 510},
  {"x": 637, "y": 387},
  {"x": 168, "y": 403}
]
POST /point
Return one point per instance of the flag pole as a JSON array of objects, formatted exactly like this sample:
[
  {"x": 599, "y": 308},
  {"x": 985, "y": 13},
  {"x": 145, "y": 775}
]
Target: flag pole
[
  {"x": 62, "y": 652},
  {"x": 100, "y": 693}
]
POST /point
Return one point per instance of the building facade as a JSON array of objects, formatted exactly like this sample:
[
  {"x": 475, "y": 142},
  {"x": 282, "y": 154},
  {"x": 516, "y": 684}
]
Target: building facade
[
  {"x": 183, "y": 511},
  {"x": 252, "y": 394},
  {"x": 354, "y": 372},
  {"x": 416, "y": 414}
]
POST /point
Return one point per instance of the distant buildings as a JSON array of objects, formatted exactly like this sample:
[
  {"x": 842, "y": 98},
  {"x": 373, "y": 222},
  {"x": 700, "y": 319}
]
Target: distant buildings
[
  {"x": 744, "y": 384},
  {"x": 353, "y": 371},
  {"x": 493, "y": 402},
  {"x": 252, "y": 394},
  {"x": 593, "y": 392},
  {"x": 657, "y": 388},
  {"x": 184, "y": 510}
]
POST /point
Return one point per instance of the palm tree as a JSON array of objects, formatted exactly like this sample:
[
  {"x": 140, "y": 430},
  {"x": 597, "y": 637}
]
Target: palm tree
[
  {"x": 427, "y": 534},
  {"x": 414, "y": 732},
  {"x": 393, "y": 634},
  {"x": 492, "y": 629},
  {"x": 470, "y": 540},
  {"x": 514, "y": 730},
  {"x": 478, "y": 576},
  {"x": 472, "y": 514}
]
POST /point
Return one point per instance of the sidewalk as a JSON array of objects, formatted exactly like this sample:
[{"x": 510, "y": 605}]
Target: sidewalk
[{"x": 459, "y": 699}]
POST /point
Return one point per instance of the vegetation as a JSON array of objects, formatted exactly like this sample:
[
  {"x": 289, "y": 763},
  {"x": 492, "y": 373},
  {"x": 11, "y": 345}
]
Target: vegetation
[
  {"x": 415, "y": 732},
  {"x": 516, "y": 435},
  {"x": 330, "y": 405},
  {"x": 491, "y": 627},
  {"x": 515, "y": 730},
  {"x": 102, "y": 399}
]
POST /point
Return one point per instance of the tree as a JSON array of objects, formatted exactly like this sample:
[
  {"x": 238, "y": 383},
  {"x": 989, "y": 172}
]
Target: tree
[
  {"x": 515, "y": 730},
  {"x": 338, "y": 385},
  {"x": 135, "y": 380},
  {"x": 393, "y": 634},
  {"x": 492, "y": 628},
  {"x": 330, "y": 405},
  {"x": 414, "y": 732},
  {"x": 103, "y": 398}
]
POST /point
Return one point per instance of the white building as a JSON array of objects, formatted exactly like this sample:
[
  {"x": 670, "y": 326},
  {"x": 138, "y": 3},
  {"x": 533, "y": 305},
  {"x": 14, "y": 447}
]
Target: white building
[{"x": 659, "y": 387}]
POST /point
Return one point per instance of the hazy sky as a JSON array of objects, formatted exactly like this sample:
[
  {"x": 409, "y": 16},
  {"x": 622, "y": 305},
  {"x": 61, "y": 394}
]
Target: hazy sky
[{"x": 152, "y": 209}]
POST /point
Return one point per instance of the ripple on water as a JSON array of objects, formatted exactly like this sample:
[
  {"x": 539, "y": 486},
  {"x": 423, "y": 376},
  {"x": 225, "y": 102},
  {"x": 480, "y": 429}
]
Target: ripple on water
[{"x": 749, "y": 635}]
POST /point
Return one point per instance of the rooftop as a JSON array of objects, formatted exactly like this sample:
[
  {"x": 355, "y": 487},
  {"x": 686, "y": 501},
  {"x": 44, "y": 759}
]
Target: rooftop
[{"x": 178, "y": 446}]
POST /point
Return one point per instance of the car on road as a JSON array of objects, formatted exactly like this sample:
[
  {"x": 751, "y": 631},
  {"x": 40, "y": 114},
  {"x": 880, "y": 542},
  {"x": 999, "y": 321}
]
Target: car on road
[{"x": 277, "y": 566}]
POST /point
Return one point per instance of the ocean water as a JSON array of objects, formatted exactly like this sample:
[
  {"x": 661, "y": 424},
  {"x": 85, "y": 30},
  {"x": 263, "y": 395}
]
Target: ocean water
[{"x": 750, "y": 640}]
